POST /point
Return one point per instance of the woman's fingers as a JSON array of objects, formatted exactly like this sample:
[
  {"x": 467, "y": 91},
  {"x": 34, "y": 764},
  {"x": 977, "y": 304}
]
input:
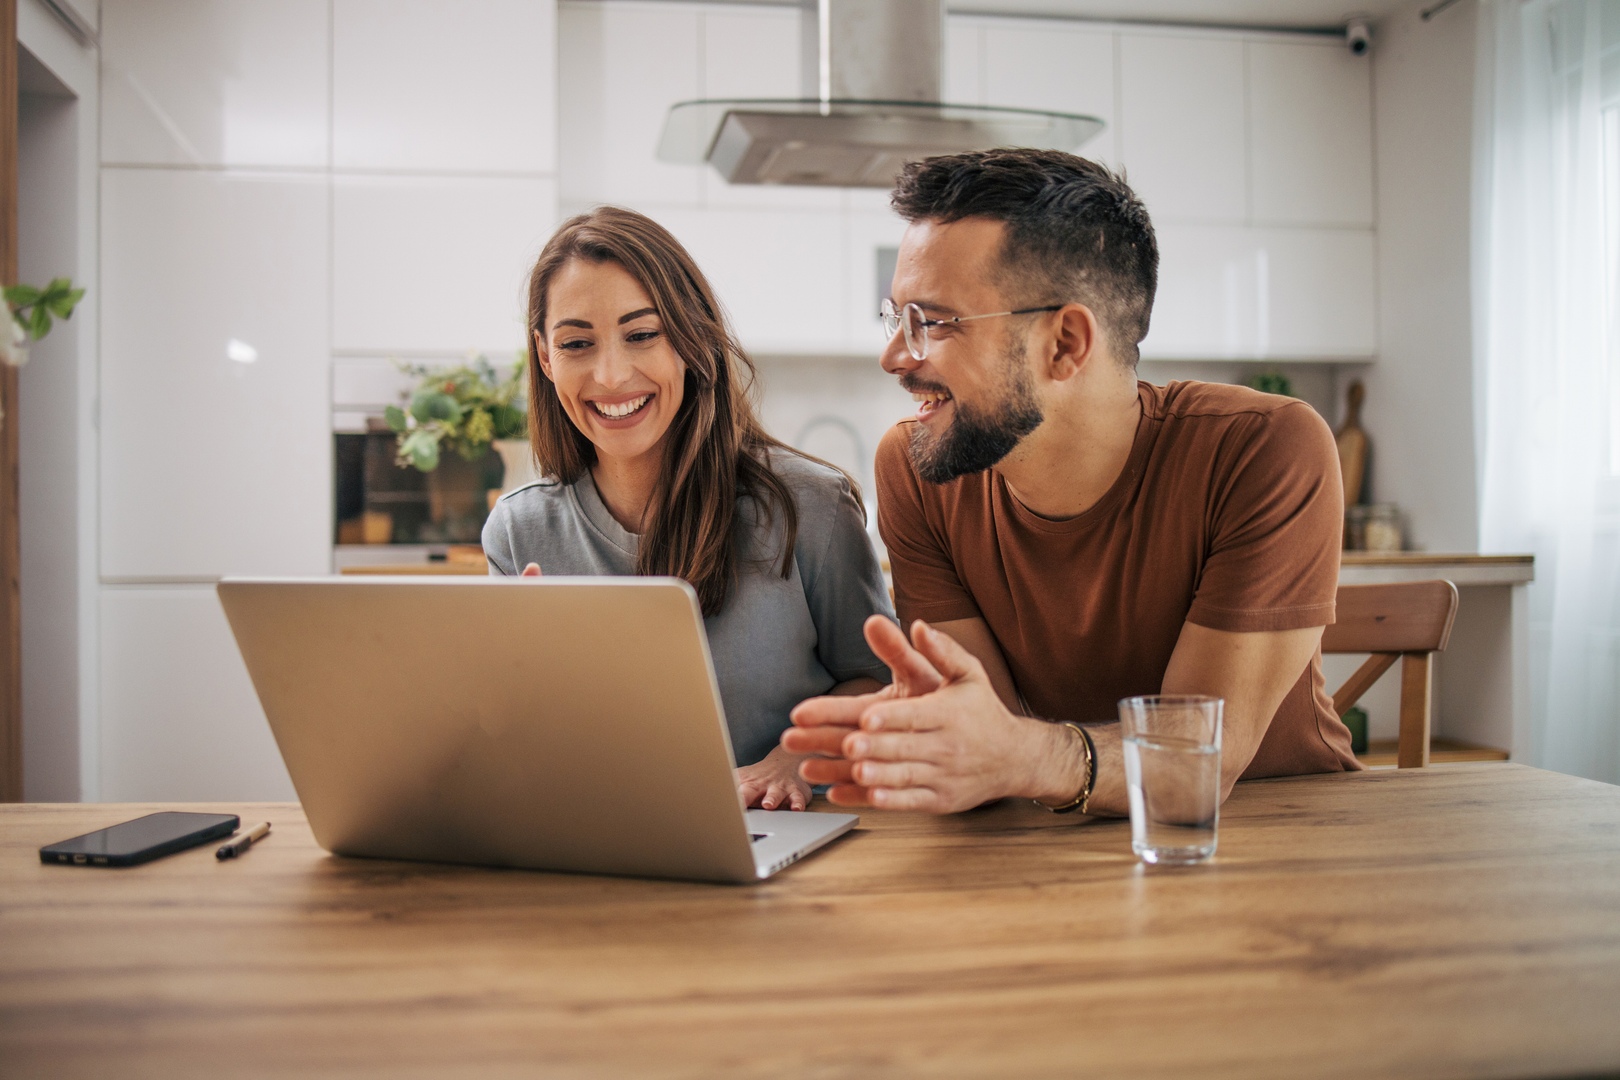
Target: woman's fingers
[{"x": 531, "y": 570}]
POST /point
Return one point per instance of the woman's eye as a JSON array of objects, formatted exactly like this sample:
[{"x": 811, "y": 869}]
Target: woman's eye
[
  {"x": 575, "y": 345},
  {"x": 642, "y": 335}
]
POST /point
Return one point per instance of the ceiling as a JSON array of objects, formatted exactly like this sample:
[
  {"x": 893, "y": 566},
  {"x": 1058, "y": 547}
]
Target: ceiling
[{"x": 1301, "y": 14}]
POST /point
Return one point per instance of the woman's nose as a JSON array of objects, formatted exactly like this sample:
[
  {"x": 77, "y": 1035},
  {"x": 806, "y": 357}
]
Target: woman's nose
[{"x": 613, "y": 367}]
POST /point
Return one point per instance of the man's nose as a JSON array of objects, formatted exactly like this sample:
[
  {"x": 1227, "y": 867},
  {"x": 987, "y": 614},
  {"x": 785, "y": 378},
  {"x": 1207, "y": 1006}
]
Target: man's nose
[{"x": 896, "y": 358}]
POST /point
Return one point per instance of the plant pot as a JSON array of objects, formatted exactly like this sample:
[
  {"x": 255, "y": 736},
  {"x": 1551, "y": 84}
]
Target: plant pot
[{"x": 456, "y": 502}]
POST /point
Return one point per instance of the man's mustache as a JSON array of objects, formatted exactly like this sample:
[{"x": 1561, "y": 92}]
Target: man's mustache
[{"x": 913, "y": 385}]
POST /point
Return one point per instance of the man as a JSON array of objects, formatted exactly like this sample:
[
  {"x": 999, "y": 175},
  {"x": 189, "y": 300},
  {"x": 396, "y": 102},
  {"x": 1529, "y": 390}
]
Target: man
[{"x": 1074, "y": 536}]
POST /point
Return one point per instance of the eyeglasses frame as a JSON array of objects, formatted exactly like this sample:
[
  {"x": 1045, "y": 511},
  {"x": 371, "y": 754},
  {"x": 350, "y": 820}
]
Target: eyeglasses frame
[{"x": 888, "y": 312}]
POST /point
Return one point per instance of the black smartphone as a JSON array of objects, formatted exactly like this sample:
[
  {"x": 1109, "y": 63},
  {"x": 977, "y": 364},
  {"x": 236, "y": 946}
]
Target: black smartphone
[{"x": 130, "y": 843}]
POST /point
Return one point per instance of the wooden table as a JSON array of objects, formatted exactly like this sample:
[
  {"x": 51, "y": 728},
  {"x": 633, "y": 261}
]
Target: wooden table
[{"x": 1460, "y": 921}]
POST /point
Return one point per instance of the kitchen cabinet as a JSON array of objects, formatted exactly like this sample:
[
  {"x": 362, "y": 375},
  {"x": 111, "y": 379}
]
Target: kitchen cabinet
[
  {"x": 778, "y": 273},
  {"x": 451, "y": 86},
  {"x": 435, "y": 263},
  {"x": 1310, "y": 129},
  {"x": 1237, "y": 292},
  {"x": 214, "y": 428},
  {"x": 621, "y": 66},
  {"x": 1035, "y": 64},
  {"x": 180, "y": 721},
  {"x": 1181, "y": 125},
  {"x": 215, "y": 82}
]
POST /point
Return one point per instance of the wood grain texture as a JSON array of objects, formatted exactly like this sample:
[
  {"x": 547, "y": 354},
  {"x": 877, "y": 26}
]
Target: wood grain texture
[
  {"x": 1417, "y": 678},
  {"x": 1413, "y": 616},
  {"x": 11, "y": 759},
  {"x": 1430, "y": 558},
  {"x": 1452, "y": 921}
]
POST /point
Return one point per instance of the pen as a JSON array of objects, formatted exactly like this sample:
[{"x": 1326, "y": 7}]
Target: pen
[{"x": 243, "y": 842}]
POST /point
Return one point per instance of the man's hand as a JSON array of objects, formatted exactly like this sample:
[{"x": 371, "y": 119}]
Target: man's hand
[
  {"x": 937, "y": 739},
  {"x": 773, "y": 782}
]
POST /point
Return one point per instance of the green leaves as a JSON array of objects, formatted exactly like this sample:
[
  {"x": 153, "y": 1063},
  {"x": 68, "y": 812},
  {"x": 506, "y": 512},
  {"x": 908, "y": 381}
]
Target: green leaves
[
  {"x": 464, "y": 408},
  {"x": 33, "y": 308}
]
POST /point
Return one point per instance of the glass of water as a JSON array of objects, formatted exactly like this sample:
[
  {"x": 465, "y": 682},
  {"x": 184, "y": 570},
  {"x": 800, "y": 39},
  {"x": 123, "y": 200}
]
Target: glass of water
[{"x": 1173, "y": 775}]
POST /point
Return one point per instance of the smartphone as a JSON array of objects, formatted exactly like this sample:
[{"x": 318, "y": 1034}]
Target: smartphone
[{"x": 130, "y": 843}]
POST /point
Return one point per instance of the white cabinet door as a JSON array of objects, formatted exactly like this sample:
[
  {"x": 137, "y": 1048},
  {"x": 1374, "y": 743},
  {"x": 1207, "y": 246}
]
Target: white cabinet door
[
  {"x": 1282, "y": 294},
  {"x": 621, "y": 66},
  {"x": 180, "y": 721},
  {"x": 215, "y": 435},
  {"x": 215, "y": 82},
  {"x": 780, "y": 274},
  {"x": 435, "y": 264},
  {"x": 1034, "y": 64},
  {"x": 444, "y": 85},
  {"x": 1310, "y": 127},
  {"x": 1181, "y": 132}
]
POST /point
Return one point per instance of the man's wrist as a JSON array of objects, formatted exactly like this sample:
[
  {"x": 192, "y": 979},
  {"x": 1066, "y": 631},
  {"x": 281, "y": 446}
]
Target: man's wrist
[{"x": 1058, "y": 770}]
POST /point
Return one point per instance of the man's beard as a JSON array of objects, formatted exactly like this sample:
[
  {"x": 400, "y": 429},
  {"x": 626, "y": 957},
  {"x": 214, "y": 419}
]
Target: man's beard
[{"x": 977, "y": 439}]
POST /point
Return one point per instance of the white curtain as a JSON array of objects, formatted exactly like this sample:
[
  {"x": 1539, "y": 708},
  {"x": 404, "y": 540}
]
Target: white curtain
[{"x": 1547, "y": 351}]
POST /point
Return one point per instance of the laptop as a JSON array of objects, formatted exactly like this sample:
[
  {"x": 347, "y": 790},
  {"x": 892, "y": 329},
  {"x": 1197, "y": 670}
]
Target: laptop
[{"x": 550, "y": 724}]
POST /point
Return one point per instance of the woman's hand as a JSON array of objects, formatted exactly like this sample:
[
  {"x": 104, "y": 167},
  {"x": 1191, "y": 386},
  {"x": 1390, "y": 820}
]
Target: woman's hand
[
  {"x": 773, "y": 783},
  {"x": 532, "y": 570}
]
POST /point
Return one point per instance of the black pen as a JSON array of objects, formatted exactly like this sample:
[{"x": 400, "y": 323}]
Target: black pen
[{"x": 243, "y": 842}]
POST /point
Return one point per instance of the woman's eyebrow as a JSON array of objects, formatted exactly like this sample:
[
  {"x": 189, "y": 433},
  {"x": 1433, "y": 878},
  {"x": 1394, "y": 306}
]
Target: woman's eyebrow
[
  {"x": 638, "y": 313},
  {"x": 581, "y": 323}
]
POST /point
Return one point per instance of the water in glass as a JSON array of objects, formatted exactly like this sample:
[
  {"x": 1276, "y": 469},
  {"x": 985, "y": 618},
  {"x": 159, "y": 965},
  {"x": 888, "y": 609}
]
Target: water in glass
[{"x": 1174, "y": 787}]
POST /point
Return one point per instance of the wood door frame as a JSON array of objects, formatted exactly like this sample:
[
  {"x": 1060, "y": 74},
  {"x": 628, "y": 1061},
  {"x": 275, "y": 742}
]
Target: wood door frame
[{"x": 11, "y": 765}]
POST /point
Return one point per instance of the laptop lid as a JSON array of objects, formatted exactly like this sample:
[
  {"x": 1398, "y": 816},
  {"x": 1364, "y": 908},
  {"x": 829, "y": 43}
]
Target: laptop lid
[{"x": 558, "y": 723}]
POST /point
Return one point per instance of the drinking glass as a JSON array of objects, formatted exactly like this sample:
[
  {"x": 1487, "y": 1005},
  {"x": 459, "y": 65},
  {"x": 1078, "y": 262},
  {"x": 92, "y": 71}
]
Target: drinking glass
[{"x": 1173, "y": 775}]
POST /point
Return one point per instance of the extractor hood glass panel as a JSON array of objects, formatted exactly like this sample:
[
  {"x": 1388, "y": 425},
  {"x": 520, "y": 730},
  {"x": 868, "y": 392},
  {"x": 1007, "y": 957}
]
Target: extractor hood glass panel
[{"x": 849, "y": 143}]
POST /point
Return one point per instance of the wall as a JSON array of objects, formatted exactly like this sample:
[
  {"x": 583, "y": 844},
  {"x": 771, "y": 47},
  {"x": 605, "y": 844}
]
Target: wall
[{"x": 1419, "y": 410}]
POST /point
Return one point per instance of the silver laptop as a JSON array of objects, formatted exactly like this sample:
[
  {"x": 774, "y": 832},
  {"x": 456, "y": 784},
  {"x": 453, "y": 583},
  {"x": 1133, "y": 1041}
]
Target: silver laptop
[{"x": 552, "y": 724}]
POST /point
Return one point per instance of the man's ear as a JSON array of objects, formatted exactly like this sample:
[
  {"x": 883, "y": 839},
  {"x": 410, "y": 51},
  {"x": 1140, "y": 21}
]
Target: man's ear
[
  {"x": 1077, "y": 341},
  {"x": 545, "y": 357}
]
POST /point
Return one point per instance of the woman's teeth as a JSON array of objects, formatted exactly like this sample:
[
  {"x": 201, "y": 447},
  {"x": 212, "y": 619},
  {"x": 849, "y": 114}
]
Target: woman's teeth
[{"x": 622, "y": 409}]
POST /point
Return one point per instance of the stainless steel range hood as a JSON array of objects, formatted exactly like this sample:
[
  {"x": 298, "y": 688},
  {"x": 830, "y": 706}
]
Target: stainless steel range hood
[{"x": 874, "y": 76}]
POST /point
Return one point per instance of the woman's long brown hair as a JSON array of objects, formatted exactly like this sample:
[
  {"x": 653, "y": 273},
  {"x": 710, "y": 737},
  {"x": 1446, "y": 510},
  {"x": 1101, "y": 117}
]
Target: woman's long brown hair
[{"x": 715, "y": 450}]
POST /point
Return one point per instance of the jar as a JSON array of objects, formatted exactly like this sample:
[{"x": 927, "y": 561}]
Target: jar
[
  {"x": 1355, "y": 527},
  {"x": 1382, "y": 531}
]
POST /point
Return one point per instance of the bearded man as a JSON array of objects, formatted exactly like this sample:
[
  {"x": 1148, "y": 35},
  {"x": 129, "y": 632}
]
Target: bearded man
[{"x": 1063, "y": 535}]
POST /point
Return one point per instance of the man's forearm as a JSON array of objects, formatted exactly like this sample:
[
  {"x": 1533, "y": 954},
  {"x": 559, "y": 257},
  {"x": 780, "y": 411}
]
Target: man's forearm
[{"x": 1059, "y": 770}]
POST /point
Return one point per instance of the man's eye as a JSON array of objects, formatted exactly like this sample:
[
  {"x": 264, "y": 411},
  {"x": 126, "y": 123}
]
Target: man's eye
[{"x": 642, "y": 335}]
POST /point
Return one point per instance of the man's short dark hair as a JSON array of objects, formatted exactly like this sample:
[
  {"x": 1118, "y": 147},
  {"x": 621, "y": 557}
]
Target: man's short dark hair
[{"x": 1076, "y": 232}]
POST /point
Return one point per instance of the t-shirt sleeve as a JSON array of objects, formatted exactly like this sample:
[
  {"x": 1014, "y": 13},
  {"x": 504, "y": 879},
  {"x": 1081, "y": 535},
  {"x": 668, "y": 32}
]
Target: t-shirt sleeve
[
  {"x": 1277, "y": 527},
  {"x": 497, "y": 541},
  {"x": 844, "y": 587},
  {"x": 926, "y": 585}
]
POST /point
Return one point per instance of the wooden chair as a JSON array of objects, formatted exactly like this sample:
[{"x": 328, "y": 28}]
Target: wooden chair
[{"x": 1408, "y": 622}]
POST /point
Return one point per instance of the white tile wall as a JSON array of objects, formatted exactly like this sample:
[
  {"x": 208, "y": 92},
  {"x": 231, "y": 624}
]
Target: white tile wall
[
  {"x": 179, "y": 719},
  {"x": 1181, "y": 131},
  {"x": 435, "y": 263},
  {"x": 228, "y": 82},
  {"x": 444, "y": 85},
  {"x": 211, "y": 465},
  {"x": 1310, "y": 109}
]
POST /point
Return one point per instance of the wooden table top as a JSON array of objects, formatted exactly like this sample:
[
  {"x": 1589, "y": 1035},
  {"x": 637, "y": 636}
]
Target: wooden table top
[{"x": 1462, "y": 920}]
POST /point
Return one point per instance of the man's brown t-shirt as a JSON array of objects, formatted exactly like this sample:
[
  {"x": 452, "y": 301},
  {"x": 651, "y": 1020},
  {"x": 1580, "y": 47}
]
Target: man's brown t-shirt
[{"x": 1228, "y": 514}]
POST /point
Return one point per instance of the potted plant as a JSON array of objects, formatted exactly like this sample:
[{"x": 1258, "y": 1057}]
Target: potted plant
[{"x": 464, "y": 409}]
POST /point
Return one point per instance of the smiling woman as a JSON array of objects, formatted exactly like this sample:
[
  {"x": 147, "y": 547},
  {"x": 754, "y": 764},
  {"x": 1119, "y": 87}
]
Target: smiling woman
[{"x": 656, "y": 464}]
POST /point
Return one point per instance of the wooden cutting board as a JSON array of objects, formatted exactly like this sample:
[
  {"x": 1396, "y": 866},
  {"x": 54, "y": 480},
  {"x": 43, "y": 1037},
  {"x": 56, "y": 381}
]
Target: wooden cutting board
[{"x": 1353, "y": 447}]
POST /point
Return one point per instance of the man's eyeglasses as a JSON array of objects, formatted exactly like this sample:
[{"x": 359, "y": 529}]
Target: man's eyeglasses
[{"x": 915, "y": 324}]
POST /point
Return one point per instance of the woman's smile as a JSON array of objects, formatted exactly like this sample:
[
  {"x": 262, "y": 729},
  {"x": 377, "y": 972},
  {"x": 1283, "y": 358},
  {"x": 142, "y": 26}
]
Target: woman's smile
[{"x": 622, "y": 410}]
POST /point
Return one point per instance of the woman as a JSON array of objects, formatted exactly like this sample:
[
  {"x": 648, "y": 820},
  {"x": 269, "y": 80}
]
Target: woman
[{"x": 655, "y": 463}]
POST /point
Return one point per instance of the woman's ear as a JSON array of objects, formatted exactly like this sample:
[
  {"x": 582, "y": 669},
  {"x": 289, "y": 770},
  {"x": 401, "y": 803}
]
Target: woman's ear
[{"x": 545, "y": 357}]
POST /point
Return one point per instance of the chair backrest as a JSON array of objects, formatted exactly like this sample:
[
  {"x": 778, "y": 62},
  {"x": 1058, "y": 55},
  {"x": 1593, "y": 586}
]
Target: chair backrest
[{"x": 1407, "y": 622}]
